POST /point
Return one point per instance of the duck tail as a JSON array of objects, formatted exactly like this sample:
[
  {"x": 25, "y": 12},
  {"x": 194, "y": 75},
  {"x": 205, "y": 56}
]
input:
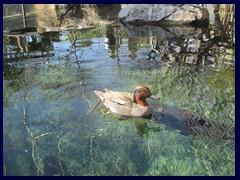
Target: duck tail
[
  {"x": 99, "y": 94},
  {"x": 107, "y": 90}
]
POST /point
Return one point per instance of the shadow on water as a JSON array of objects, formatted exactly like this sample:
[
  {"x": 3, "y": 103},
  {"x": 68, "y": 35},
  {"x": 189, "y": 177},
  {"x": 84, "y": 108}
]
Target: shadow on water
[{"x": 52, "y": 66}]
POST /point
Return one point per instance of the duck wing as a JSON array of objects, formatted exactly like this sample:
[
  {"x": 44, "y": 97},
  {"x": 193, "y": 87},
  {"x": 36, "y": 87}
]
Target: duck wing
[
  {"x": 120, "y": 98},
  {"x": 120, "y": 105},
  {"x": 118, "y": 102}
]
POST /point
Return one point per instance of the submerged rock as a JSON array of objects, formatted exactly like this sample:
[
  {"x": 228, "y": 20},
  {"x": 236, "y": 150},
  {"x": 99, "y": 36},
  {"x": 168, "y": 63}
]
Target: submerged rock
[{"x": 164, "y": 14}]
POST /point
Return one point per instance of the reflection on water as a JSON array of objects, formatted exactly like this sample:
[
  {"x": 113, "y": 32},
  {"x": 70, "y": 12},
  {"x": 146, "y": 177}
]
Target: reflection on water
[{"x": 49, "y": 78}]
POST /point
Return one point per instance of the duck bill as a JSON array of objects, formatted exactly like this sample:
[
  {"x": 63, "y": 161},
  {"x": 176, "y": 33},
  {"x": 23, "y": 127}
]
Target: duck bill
[{"x": 154, "y": 97}]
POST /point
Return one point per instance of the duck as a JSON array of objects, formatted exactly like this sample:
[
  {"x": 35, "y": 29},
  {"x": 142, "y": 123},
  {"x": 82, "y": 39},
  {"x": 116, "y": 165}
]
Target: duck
[{"x": 127, "y": 104}]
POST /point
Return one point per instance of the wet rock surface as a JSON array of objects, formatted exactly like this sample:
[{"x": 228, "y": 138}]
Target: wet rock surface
[{"x": 164, "y": 14}]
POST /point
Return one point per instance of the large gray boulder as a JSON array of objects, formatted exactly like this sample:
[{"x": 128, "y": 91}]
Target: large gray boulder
[{"x": 164, "y": 14}]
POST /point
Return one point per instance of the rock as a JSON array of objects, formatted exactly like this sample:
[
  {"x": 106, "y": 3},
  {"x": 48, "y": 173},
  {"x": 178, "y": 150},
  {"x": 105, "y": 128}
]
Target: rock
[{"x": 164, "y": 14}]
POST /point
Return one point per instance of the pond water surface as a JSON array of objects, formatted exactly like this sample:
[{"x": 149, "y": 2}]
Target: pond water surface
[{"x": 49, "y": 79}]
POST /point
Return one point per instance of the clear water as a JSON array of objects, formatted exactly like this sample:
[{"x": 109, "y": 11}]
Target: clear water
[{"x": 48, "y": 93}]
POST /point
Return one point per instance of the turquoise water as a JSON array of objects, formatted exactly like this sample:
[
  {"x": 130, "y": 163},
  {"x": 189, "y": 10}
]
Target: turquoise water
[{"x": 49, "y": 79}]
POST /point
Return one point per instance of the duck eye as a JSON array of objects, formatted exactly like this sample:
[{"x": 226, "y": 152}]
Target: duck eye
[{"x": 139, "y": 91}]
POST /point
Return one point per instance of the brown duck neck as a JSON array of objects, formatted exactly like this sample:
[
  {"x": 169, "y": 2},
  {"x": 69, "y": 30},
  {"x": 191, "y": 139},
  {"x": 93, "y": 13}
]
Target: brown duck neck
[{"x": 141, "y": 101}]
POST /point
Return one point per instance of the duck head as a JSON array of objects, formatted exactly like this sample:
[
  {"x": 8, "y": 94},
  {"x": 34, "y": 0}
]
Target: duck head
[{"x": 140, "y": 94}]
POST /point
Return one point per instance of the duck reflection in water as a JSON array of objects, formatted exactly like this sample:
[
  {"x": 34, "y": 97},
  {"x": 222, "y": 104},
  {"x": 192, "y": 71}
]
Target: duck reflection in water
[
  {"x": 173, "y": 118},
  {"x": 189, "y": 123}
]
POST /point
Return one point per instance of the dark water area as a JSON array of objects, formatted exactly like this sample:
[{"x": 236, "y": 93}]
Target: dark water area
[{"x": 51, "y": 68}]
